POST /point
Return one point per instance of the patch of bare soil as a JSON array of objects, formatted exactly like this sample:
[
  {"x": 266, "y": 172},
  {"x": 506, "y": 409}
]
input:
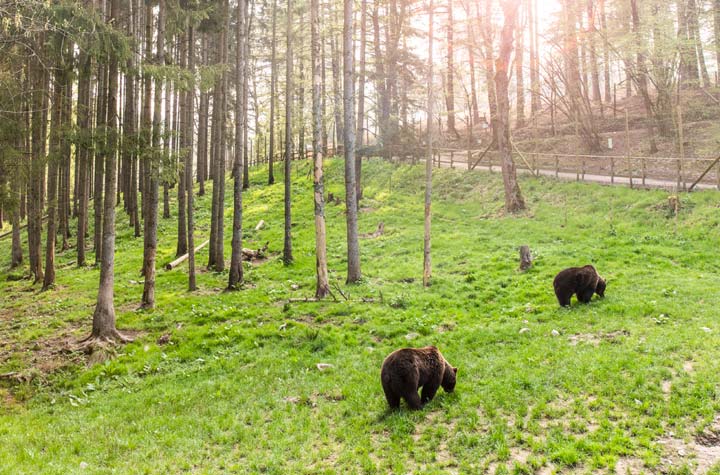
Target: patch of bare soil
[
  {"x": 702, "y": 452},
  {"x": 629, "y": 466},
  {"x": 595, "y": 338}
]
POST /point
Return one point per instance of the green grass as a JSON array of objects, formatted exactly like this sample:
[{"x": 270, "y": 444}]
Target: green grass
[{"x": 238, "y": 391}]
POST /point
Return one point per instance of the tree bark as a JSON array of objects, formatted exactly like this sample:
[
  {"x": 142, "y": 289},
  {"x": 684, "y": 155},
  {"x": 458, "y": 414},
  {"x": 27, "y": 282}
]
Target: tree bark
[
  {"x": 273, "y": 92},
  {"x": 450, "y": 96},
  {"x": 287, "y": 243},
  {"x": 236, "y": 265},
  {"x": 427, "y": 261},
  {"x": 322, "y": 287},
  {"x": 353, "y": 245},
  {"x": 153, "y": 167},
  {"x": 361, "y": 100},
  {"x": 513, "y": 197},
  {"x": 519, "y": 80}
]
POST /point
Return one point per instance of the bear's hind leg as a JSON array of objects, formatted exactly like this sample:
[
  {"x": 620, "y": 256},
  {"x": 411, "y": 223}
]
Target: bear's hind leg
[
  {"x": 392, "y": 398},
  {"x": 413, "y": 400}
]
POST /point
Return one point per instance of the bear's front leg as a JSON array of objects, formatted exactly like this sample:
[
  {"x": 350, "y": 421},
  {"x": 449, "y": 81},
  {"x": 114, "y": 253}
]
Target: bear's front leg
[{"x": 428, "y": 392}]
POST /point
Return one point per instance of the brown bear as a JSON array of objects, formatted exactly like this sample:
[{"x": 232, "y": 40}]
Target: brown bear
[
  {"x": 407, "y": 369},
  {"x": 583, "y": 281}
]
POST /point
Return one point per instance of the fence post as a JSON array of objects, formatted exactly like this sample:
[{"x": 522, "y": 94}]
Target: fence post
[
  {"x": 643, "y": 171},
  {"x": 583, "y": 169},
  {"x": 682, "y": 148},
  {"x": 612, "y": 170},
  {"x": 452, "y": 159},
  {"x": 718, "y": 176},
  {"x": 627, "y": 147},
  {"x": 534, "y": 164},
  {"x": 557, "y": 166}
]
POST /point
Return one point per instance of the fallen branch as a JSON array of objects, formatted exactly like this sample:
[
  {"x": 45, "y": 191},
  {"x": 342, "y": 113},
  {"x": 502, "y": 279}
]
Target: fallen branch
[
  {"x": 260, "y": 225},
  {"x": 184, "y": 257},
  {"x": 379, "y": 232}
]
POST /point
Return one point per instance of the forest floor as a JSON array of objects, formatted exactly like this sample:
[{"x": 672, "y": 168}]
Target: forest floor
[{"x": 247, "y": 382}]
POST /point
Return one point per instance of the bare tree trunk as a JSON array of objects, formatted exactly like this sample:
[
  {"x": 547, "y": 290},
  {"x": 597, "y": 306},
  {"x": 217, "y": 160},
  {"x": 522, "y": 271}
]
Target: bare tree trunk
[
  {"x": 103, "y": 327},
  {"x": 188, "y": 131},
  {"x": 450, "y": 96},
  {"x": 236, "y": 269},
  {"x": 361, "y": 100},
  {"x": 427, "y": 262},
  {"x": 336, "y": 75},
  {"x": 100, "y": 143},
  {"x": 471, "y": 45},
  {"x": 16, "y": 185},
  {"x": 81, "y": 152},
  {"x": 606, "y": 52},
  {"x": 519, "y": 80},
  {"x": 534, "y": 61},
  {"x": 694, "y": 31},
  {"x": 53, "y": 169},
  {"x": 273, "y": 92},
  {"x": 322, "y": 287},
  {"x": 37, "y": 167},
  {"x": 592, "y": 33},
  {"x": 153, "y": 167},
  {"x": 513, "y": 197},
  {"x": 202, "y": 146},
  {"x": 716, "y": 31},
  {"x": 246, "y": 98},
  {"x": 353, "y": 245},
  {"x": 489, "y": 66},
  {"x": 287, "y": 244}
]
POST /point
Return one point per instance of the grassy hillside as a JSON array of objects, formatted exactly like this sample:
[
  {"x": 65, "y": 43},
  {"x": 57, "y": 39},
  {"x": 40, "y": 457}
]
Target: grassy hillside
[{"x": 627, "y": 383}]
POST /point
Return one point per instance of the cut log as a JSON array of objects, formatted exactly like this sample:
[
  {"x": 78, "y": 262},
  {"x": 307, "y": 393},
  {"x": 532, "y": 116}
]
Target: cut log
[
  {"x": 183, "y": 258},
  {"x": 260, "y": 225},
  {"x": 379, "y": 232},
  {"x": 251, "y": 254},
  {"x": 525, "y": 258}
]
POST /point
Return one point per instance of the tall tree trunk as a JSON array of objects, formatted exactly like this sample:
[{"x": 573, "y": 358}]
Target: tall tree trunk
[
  {"x": 471, "y": 45},
  {"x": 287, "y": 243},
  {"x": 716, "y": 37},
  {"x": 361, "y": 100},
  {"x": 273, "y": 92},
  {"x": 490, "y": 66},
  {"x": 182, "y": 231},
  {"x": 534, "y": 60},
  {"x": 694, "y": 31},
  {"x": 322, "y": 287},
  {"x": 427, "y": 262},
  {"x": 103, "y": 327},
  {"x": 606, "y": 53},
  {"x": 337, "y": 78},
  {"x": 592, "y": 34},
  {"x": 513, "y": 197},
  {"x": 202, "y": 145},
  {"x": 100, "y": 145},
  {"x": 246, "y": 99},
  {"x": 383, "y": 107},
  {"x": 53, "y": 170},
  {"x": 188, "y": 135},
  {"x": 519, "y": 80},
  {"x": 353, "y": 245},
  {"x": 81, "y": 152},
  {"x": 16, "y": 185},
  {"x": 236, "y": 265},
  {"x": 37, "y": 167},
  {"x": 217, "y": 251},
  {"x": 450, "y": 95},
  {"x": 153, "y": 167}
]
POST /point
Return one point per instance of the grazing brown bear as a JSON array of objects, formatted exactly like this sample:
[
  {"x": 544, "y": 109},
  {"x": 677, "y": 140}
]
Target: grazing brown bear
[
  {"x": 583, "y": 281},
  {"x": 407, "y": 369}
]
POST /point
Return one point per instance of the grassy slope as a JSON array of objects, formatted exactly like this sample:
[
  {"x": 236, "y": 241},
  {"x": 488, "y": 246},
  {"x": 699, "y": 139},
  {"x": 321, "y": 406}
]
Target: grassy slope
[{"x": 238, "y": 389}]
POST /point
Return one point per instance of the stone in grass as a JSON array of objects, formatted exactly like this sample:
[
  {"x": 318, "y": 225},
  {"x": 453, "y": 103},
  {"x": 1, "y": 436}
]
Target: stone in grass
[
  {"x": 555, "y": 333},
  {"x": 524, "y": 330},
  {"x": 411, "y": 336},
  {"x": 323, "y": 366}
]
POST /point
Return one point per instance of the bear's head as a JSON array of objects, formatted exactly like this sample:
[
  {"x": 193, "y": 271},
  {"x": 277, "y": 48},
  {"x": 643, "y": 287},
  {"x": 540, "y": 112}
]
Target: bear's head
[
  {"x": 600, "y": 287},
  {"x": 449, "y": 378}
]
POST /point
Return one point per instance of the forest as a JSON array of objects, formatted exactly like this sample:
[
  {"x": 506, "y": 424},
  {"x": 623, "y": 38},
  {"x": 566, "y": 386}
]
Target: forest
[{"x": 219, "y": 217}]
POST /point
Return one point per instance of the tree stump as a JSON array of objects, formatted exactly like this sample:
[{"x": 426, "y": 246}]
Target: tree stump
[{"x": 525, "y": 258}]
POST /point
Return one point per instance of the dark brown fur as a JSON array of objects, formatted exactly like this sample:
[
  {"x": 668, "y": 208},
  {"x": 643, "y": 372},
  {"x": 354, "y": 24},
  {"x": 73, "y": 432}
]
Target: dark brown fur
[
  {"x": 583, "y": 281},
  {"x": 406, "y": 370}
]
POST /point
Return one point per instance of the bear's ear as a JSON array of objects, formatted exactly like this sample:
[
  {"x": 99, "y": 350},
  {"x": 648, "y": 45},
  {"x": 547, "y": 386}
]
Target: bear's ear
[{"x": 454, "y": 370}]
